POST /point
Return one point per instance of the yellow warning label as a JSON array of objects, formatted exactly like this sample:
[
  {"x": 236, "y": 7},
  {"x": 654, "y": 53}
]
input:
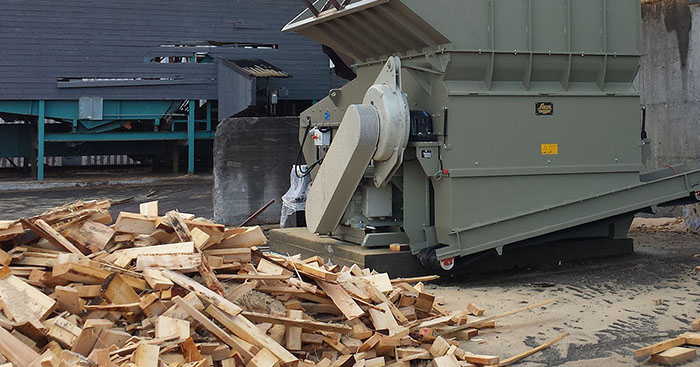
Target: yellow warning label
[{"x": 550, "y": 149}]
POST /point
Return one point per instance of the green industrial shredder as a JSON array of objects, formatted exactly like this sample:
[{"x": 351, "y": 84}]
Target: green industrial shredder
[{"x": 473, "y": 125}]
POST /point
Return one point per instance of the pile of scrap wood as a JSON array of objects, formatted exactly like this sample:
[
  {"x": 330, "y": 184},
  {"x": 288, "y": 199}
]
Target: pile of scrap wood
[{"x": 174, "y": 290}]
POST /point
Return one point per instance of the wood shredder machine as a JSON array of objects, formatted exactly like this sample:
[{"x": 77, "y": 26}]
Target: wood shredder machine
[{"x": 473, "y": 125}]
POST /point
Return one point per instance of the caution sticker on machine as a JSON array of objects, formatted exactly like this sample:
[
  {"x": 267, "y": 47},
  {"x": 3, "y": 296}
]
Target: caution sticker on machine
[{"x": 550, "y": 149}]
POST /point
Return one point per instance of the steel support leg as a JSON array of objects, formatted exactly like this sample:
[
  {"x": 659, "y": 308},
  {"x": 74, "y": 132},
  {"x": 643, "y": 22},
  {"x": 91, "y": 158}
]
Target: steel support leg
[
  {"x": 190, "y": 138},
  {"x": 40, "y": 141}
]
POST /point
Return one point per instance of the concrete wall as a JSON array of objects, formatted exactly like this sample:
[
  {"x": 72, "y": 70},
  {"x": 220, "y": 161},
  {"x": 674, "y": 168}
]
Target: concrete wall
[
  {"x": 669, "y": 81},
  {"x": 253, "y": 157}
]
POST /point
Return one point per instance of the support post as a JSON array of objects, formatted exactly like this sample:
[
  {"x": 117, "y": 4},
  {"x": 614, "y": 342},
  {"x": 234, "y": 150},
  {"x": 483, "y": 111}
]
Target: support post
[
  {"x": 190, "y": 138},
  {"x": 208, "y": 115},
  {"x": 40, "y": 141}
]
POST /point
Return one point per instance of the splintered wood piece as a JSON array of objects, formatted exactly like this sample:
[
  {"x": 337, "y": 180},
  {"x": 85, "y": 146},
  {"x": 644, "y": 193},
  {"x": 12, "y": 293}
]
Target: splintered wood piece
[
  {"x": 199, "y": 237},
  {"x": 695, "y": 325},
  {"x": 475, "y": 310},
  {"x": 245, "y": 237},
  {"x": 202, "y": 291},
  {"x": 69, "y": 300},
  {"x": 674, "y": 356},
  {"x": 380, "y": 281},
  {"x": 425, "y": 302},
  {"x": 446, "y": 361},
  {"x": 659, "y": 347},
  {"x": 45, "y": 231},
  {"x": 156, "y": 280},
  {"x": 691, "y": 338},
  {"x": 190, "y": 351},
  {"x": 341, "y": 299},
  {"x": 247, "y": 331},
  {"x": 146, "y": 355},
  {"x": 293, "y": 334},
  {"x": 124, "y": 257},
  {"x": 264, "y": 358},
  {"x": 244, "y": 352},
  {"x": 135, "y": 223},
  {"x": 119, "y": 292},
  {"x": 167, "y": 327},
  {"x": 183, "y": 232},
  {"x": 149, "y": 209},
  {"x": 22, "y": 302},
  {"x": 482, "y": 359},
  {"x": 439, "y": 347},
  {"x": 10, "y": 230},
  {"x": 15, "y": 350},
  {"x": 297, "y": 322},
  {"x": 88, "y": 335},
  {"x": 97, "y": 234}
]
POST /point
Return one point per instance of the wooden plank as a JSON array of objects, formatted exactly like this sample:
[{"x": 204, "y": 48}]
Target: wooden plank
[
  {"x": 446, "y": 361},
  {"x": 90, "y": 274},
  {"x": 245, "y": 353},
  {"x": 44, "y": 230},
  {"x": 97, "y": 234},
  {"x": 119, "y": 292},
  {"x": 674, "y": 356},
  {"x": 123, "y": 257},
  {"x": 427, "y": 278},
  {"x": 341, "y": 299},
  {"x": 691, "y": 338},
  {"x": 149, "y": 209},
  {"x": 22, "y": 302},
  {"x": 247, "y": 331},
  {"x": 659, "y": 347},
  {"x": 475, "y": 310},
  {"x": 264, "y": 358},
  {"x": 249, "y": 237},
  {"x": 207, "y": 294},
  {"x": 199, "y": 237},
  {"x": 297, "y": 322},
  {"x": 167, "y": 327},
  {"x": 146, "y": 355},
  {"x": 69, "y": 300},
  {"x": 172, "y": 262},
  {"x": 482, "y": 360},
  {"x": 183, "y": 232},
  {"x": 514, "y": 359},
  {"x": 156, "y": 280},
  {"x": 253, "y": 276},
  {"x": 15, "y": 350},
  {"x": 380, "y": 281},
  {"x": 135, "y": 223},
  {"x": 10, "y": 230},
  {"x": 293, "y": 333}
]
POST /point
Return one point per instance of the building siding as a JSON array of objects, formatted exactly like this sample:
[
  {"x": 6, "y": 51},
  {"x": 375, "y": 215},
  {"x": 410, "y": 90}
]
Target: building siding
[{"x": 43, "y": 40}]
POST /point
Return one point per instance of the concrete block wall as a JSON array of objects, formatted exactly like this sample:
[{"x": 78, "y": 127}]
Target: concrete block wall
[
  {"x": 253, "y": 157},
  {"x": 669, "y": 80}
]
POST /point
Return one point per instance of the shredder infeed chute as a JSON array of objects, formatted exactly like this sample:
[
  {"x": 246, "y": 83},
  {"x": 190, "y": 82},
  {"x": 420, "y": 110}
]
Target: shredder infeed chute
[{"x": 524, "y": 124}]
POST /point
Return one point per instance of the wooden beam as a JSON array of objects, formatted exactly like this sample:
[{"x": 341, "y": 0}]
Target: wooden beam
[
  {"x": 15, "y": 350},
  {"x": 659, "y": 347},
  {"x": 296, "y": 322},
  {"x": 514, "y": 359},
  {"x": 245, "y": 353},
  {"x": 247, "y": 331}
]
